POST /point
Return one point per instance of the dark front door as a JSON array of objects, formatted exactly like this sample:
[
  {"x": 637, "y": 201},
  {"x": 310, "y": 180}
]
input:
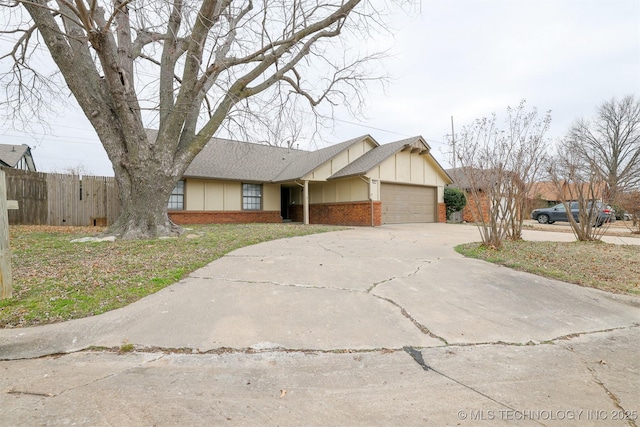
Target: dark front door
[{"x": 285, "y": 200}]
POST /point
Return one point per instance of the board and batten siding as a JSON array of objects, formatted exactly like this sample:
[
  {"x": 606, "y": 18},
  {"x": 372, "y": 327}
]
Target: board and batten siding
[
  {"x": 212, "y": 195},
  {"x": 407, "y": 168},
  {"x": 338, "y": 191},
  {"x": 271, "y": 197},
  {"x": 328, "y": 168},
  {"x": 209, "y": 195}
]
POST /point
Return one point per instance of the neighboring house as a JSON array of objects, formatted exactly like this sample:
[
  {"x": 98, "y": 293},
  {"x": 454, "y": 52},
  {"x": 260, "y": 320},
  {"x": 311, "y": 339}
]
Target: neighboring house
[
  {"x": 478, "y": 208},
  {"x": 547, "y": 193},
  {"x": 473, "y": 211},
  {"x": 16, "y": 157},
  {"x": 357, "y": 182}
]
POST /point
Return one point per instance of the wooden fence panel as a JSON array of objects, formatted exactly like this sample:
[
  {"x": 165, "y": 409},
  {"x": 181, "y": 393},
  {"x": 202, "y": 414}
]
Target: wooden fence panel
[
  {"x": 64, "y": 198},
  {"x": 30, "y": 190},
  {"x": 101, "y": 200},
  {"x": 57, "y": 199},
  {"x": 92, "y": 200}
]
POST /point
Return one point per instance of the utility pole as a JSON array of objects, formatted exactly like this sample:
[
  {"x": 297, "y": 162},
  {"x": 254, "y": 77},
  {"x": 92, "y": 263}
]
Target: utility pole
[{"x": 453, "y": 144}]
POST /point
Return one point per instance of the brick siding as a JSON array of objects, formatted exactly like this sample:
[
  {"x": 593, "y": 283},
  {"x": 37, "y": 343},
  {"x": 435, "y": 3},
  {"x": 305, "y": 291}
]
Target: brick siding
[
  {"x": 474, "y": 213},
  {"x": 442, "y": 212},
  {"x": 224, "y": 217},
  {"x": 348, "y": 213}
]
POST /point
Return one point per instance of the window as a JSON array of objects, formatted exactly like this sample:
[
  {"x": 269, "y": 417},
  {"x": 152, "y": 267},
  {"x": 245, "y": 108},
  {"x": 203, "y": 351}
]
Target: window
[
  {"x": 22, "y": 164},
  {"x": 176, "y": 200},
  {"x": 252, "y": 197}
]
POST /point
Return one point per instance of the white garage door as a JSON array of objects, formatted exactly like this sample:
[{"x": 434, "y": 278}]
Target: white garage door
[{"x": 407, "y": 203}]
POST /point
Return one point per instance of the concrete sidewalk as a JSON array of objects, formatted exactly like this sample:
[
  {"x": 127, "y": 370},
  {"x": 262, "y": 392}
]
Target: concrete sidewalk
[
  {"x": 369, "y": 326},
  {"x": 616, "y": 237}
]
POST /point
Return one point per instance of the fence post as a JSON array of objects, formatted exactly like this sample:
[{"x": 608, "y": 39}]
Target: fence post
[{"x": 6, "y": 285}]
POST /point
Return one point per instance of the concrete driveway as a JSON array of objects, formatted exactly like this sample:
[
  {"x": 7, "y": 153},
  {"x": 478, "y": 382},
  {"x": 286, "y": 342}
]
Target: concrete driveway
[{"x": 369, "y": 326}]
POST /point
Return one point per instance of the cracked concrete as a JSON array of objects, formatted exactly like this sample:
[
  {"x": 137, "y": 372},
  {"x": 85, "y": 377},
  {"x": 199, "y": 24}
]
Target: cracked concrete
[{"x": 370, "y": 326}]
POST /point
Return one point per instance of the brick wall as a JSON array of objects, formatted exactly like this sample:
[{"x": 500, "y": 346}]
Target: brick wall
[
  {"x": 348, "y": 213},
  {"x": 473, "y": 212},
  {"x": 224, "y": 217},
  {"x": 295, "y": 213},
  {"x": 442, "y": 213}
]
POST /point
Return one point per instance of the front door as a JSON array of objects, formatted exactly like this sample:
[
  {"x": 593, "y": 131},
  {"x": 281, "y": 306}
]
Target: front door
[{"x": 285, "y": 201}]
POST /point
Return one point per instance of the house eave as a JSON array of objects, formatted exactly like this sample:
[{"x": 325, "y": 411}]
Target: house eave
[{"x": 351, "y": 175}]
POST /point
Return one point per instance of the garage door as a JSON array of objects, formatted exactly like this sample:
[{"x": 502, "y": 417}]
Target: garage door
[{"x": 407, "y": 203}]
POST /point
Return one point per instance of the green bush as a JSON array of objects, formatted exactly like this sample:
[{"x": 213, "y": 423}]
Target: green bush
[{"x": 454, "y": 199}]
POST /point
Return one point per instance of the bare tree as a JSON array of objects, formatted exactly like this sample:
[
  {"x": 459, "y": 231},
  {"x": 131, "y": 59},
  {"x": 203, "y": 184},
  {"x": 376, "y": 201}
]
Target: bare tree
[
  {"x": 188, "y": 68},
  {"x": 611, "y": 143},
  {"x": 630, "y": 202},
  {"x": 499, "y": 166},
  {"x": 79, "y": 170},
  {"x": 583, "y": 187}
]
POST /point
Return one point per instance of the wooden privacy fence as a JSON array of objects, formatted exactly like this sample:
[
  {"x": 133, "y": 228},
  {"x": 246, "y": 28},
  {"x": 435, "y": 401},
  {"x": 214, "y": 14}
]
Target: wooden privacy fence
[
  {"x": 30, "y": 190},
  {"x": 57, "y": 199}
]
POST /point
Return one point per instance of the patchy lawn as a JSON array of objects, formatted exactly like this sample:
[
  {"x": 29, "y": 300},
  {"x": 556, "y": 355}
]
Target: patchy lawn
[
  {"x": 56, "y": 280},
  {"x": 613, "y": 268}
]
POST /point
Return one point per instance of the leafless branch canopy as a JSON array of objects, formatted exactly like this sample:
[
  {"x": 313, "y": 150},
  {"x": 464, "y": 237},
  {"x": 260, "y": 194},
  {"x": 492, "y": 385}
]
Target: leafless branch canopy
[
  {"x": 630, "y": 202},
  {"x": 498, "y": 166},
  {"x": 582, "y": 185},
  {"x": 610, "y": 142},
  {"x": 187, "y": 68},
  {"x": 183, "y": 65}
]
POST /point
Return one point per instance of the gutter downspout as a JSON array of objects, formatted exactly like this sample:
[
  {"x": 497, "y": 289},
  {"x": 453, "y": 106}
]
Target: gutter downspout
[
  {"x": 368, "y": 181},
  {"x": 305, "y": 201}
]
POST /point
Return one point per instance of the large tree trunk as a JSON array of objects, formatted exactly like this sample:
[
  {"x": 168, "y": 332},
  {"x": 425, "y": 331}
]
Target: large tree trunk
[
  {"x": 144, "y": 198},
  {"x": 143, "y": 212}
]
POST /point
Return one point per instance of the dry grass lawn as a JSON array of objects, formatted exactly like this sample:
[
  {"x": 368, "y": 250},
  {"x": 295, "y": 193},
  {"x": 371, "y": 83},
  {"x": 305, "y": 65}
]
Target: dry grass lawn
[
  {"x": 56, "y": 280},
  {"x": 613, "y": 268}
]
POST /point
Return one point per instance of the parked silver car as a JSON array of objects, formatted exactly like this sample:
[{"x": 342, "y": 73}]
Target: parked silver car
[{"x": 559, "y": 213}]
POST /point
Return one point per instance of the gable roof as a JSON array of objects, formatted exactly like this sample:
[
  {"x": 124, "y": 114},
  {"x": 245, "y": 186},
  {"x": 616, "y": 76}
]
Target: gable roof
[
  {"x": 312, "y": 159},
  {"x": 226, "y": 159},
  {"x": 371, "y": 158},
  {"x": 10, "y": 155},
  {"x": 234, "y": 160},
  {"x": 467, "y": 177}
]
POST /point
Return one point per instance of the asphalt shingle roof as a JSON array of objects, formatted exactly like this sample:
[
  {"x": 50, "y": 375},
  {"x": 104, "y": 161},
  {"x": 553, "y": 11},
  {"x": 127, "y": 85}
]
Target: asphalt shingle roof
[
  {"x": 459, "y": 178},
  {"x": 244, "y": 161},
  {"x": 372, "y": 158},
  {"x": 11, "y": 154},
  {"x": 233, "y": 160},
  {"x": 467, "y": 178},
  {"x": 312, "y": 159}
]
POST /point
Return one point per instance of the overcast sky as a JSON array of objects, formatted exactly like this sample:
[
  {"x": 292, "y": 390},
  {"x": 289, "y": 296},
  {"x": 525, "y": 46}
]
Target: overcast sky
[{"x": 460, "y": 58}]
